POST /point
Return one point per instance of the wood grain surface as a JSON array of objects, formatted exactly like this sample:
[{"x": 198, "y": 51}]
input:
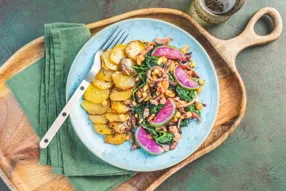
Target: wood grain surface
[{"x": 19, "y": 150}]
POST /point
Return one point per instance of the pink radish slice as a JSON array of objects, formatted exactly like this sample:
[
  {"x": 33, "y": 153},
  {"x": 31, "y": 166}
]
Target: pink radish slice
[
  {"x": 168, "y": 52},
  {"x": 184, "y": 79},
  {"x": 165, "y": 114},
  {"x": 147, "y": 144}
]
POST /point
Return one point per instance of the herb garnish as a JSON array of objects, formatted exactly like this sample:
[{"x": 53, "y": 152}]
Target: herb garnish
[{"x": 185, "y": 94}]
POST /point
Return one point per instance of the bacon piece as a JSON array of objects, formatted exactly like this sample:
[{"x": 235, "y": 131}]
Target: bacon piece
[
  {"x": 173, "y": 145},
  {"x": 146, "y": 50},
  {"x": 163, "y": 40},
  {"x": 195, "y": 116},
  {"x": 189, "y": 71}
]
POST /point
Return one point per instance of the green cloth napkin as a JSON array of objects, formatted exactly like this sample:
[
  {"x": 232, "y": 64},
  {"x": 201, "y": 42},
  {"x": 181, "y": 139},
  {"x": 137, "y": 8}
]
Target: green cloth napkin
[{"x": 40, "y": 90}]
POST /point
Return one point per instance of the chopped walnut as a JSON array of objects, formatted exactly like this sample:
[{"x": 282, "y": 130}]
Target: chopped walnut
[{"x": 146, "y": 112}]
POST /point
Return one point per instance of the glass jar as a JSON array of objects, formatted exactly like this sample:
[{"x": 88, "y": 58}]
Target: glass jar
[{"x": 208, "y": 12}]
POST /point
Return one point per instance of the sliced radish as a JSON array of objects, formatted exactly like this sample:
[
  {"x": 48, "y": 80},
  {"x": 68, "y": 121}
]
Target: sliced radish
[
  {"x": 165, "y": 114},
  {"x": 184, "y": 79},
  {"x": 147, "y": 144},
  {"x": 168, "y": 52}
]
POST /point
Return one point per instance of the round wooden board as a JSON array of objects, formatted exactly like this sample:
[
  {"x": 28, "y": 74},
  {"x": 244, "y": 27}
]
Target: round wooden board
[{"x": 19, "y": 149}]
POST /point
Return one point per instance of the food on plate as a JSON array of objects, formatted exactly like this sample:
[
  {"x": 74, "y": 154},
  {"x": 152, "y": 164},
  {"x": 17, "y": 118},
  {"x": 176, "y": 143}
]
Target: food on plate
[
  {"x": 145, "y": 92},
  {"x": 117, "y": 117},
  {"x": 165, "y": 97},
  {"x": 94, "y": 108},
  {"x": 98, "y": 119},
  {"x": 120, "y": 127},
  {"x": 169, "y": 52},
  {"x": 165, "y": 114},
  {"x": 117, "y": 53},
  {"x": 120, "y": 107},
  {"x": 102, "y": 84},
  {"x": 120, "y": 95},
  {"x": 126, "y": 65},
  {"x": 102, "y": 129},
  {"x": 134, "y": 47},
  {"x": 95, "y": 95},
  {"x": 122, "y": 81},
  {"x": 149, "y": 145},
  {"x": 107, "y": 63},
  {"x": 115, "y": 139},
  {"x": 104, "y": 75},
  {"x": 183, "y": 79}
]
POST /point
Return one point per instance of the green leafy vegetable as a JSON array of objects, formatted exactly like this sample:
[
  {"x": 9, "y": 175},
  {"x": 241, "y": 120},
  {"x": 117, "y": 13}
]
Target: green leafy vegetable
[
  {"x": 156, "y": 108},
  {"x": 149, "y": 62},
  {"x": 171, "y": 77},
  {"x": 160, "y": 137},
  {"x": 164, "y": 138},
  {"x": 193, "y": 108},
  {"x": 185, "y": 94},
  {"x": 171, "y": 87},
  {"x": 136, "y": 89},
  {"x": 184, "y": 122},
  {"x": 139, "y": 109}
]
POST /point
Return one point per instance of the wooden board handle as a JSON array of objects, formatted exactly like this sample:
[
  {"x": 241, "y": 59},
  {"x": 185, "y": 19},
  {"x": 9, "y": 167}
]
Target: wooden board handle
[
  {"x": 250, "y": 38},
  {"x": 229, "y": 49}
]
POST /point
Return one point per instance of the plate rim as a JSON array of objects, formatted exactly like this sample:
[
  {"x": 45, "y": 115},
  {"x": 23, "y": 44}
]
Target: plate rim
[{"x": 216, "y": 83}]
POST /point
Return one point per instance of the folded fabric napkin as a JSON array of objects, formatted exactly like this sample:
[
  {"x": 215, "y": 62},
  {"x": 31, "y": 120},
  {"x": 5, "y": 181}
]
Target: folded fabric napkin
[{"x": 40, "y": 90}]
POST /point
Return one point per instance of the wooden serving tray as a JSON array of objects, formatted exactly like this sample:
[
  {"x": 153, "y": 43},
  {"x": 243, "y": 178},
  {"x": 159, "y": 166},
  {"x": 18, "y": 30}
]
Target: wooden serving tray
[{"x": 19, "y": 149}]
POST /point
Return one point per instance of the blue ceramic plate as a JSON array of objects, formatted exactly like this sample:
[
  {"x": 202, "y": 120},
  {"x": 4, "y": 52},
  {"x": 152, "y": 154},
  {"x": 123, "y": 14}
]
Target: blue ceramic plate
[{"x": 193, "y": 135}]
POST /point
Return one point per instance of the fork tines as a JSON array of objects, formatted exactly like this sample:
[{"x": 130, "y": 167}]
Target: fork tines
[{"x": 110, "y": 44}]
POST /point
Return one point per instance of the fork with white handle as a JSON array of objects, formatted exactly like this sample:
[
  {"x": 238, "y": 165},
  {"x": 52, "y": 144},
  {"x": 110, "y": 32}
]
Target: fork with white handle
[{"x": 117, "y": 38}]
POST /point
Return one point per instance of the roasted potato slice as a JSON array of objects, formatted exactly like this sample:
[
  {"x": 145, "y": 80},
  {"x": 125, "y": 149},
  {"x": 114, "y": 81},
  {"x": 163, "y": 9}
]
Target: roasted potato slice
[
  {"x": 133, "y": 48},
  {"x": 119, "y": 127},
  {"x": 117, "y": 53},
  {"x": 117, "y": 117},
  {"x": 104, "y": 75},
  {"x": 102, "y": 84},
  {"x": 123, "y": 81},
  {"x": 103, "y": 129},
  {"x": 103, "y": 65},
  {"x": 98, "y": 119},
  {"x": 95, "y": 95},
  {"x": 126, "y": 66},
  {"x": 107, "y": 63},
  {"x": 115, "y": 139},
  {"x": 119, "y": 107},
  {"x": 117, "y": 95},
  {"x": 95, "y": 108}
]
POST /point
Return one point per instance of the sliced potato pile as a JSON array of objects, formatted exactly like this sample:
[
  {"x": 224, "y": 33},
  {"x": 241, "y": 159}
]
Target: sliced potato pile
[
  {"x": 104, "y": 75},
  {"x": 122, "y": 81},
  {"x": 98, "y": 119},
  {"x": 103, "y": 129},
  {"x": 95, "y": 95},
  {"x": 117, "y": 53},
  {"x": 102, "y": 84},
  {"x": 115, "y": 139},
  {"x": 117, "y": 117},
  {"x": 93, "y": 108},
  {"x": 120, "y": 95},
  {"x": 113, "y": 84},
  {"x": 107, "y": 63},
  {"x": 133, "y": 48},
  {"x": 119, "y": 107}
]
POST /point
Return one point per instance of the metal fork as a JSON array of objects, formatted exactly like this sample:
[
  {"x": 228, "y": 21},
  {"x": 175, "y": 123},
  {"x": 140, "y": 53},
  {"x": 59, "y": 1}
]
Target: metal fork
[{"x": 117, "y": 37}]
